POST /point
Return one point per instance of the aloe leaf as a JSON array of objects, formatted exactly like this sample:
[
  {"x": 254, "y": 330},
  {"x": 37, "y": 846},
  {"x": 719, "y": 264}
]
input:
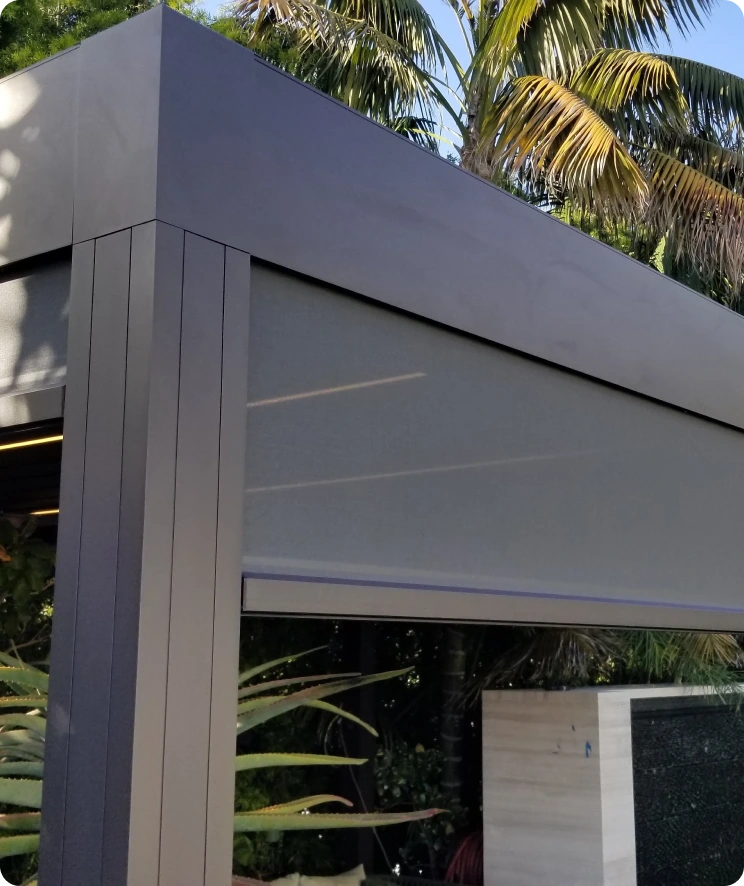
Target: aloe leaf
[
  {"x": 27, "y": 701},
  {"x": 24, "y": 677},
  {"x": 17, "y": 755},
  {"x": 252, "y": 715},
  {"x": 25, "y": 721},
  {"x": 278, "y": 684},
  {"x": 11, "y": 737},
  {"x": 20, "y": 845},
  {"x": 14, "y": 661},
  {"x": 266, "y": 701},
  {"x": 17, "y": 767},
  {"x": 20, "y": 792},
  {"x": 305, "y": 803},
  {"x": 21, "y": 821},
  {"x": 245, "y": 822},
  {"x": 340, "y": 712},
  {"x": 20, "y": 740},
  {"x": 270, "y": 665},
  {"x": 264, "y": 761}
]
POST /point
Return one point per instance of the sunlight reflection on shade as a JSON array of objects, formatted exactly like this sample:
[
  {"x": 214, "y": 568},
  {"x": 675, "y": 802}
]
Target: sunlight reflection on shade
[
  {"x": 417, "y": 472},
  {"x": 339, "y": 389},
  {"x": 15, "y": 103}
]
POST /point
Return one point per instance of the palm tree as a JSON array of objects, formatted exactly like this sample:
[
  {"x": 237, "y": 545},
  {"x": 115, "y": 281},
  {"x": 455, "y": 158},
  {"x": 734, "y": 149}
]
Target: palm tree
[{"x": 560, "y": 96}]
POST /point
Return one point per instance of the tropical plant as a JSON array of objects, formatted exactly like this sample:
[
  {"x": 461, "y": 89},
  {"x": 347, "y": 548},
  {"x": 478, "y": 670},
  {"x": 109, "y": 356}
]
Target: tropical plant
[
  {"x": 35, "y": 29},
  {"x": 23, "y": 728},
  {"x": 559, "y": 95},
  {"x": 409, "y": 777},
  {"x": 26, "y": 580},
  {"x": 556, "y": 658},
  {"x": 22, "y": 731},
  {"x": 260, "y": 702}
]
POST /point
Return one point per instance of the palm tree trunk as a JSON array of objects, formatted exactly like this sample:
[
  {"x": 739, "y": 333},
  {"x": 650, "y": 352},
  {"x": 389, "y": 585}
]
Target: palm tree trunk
[
  {"x": 472, "y": 158},
  {"x": 451, "y": 729}
]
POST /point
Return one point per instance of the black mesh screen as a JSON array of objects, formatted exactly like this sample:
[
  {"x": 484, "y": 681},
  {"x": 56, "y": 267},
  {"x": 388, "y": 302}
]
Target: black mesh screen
[{"x": 688, "y": 780}]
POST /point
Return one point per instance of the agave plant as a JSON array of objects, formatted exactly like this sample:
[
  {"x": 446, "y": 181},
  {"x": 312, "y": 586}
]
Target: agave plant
[
  {"x": 259, "y": 702},
  {"x": 23, "y": 728},
  {"x": 22, "y": 732}
]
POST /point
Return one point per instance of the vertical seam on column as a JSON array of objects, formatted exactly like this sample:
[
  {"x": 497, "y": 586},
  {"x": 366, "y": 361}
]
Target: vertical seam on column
[
  {"x": 77, "y": 580},
  {"x": 216, "y": 564},
  {"x": 173, "y": 536},
  {"x": 118, "y": 544}
]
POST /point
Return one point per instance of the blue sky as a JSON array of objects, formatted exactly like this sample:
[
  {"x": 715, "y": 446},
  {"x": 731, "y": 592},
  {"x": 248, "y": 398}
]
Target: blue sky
[{"x": 720, "y": 43}]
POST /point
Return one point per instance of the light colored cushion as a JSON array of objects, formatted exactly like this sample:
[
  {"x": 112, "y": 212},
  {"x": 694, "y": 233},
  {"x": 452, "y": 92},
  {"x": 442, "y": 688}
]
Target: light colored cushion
[
  {"x": 350, "y": 878},
  {"x": 289, "y": 880}
]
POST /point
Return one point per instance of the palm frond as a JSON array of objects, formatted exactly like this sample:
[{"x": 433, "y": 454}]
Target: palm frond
[
  {"x": 704, "y": 218},
  {"x": 373, "y": 71},
  {"x": 495, "y": 52},
  {"x": 561, "y": 656},
  {"x": 418, "y": 129},
  {"x": 713, "y": 159},
  {"x": 695, "y": 659},
  {"x": 405, "y": 21},
  {"x": 636, "y": 86},
  {"x": 544, "y": 128},
  {"x": 715, "y": 97},
  {"x": 559, "y": 38},
  {"x": 638, "y": 24}
]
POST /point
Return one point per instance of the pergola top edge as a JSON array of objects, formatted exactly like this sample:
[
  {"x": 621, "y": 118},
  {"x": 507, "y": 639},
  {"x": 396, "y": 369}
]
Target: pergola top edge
[{"x": 175, "y": 123}]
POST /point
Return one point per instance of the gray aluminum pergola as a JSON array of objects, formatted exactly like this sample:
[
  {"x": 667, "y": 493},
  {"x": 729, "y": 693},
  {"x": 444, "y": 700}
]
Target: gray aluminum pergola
[{"x": 458, "y": 408}]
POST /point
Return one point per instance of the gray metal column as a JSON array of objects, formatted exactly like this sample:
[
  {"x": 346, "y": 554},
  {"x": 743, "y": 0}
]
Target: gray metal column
[{"x": 139, "y": 770}]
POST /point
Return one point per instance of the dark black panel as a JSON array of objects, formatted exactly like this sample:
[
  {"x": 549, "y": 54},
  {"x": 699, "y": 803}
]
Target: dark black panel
[
  {"x": 688, "y": 782},
  {"x": 29, "y": 475}
]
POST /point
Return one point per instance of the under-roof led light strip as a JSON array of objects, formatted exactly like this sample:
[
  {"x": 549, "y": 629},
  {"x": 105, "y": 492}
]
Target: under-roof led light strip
[{"x": 39, "y": 441}]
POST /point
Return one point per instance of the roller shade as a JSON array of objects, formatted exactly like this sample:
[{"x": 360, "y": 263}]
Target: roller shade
[{"x": 382, "y": 449}]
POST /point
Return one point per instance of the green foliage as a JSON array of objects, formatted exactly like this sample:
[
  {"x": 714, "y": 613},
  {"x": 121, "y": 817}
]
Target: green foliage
[
  {"x": 26, "y": 580},
  {"x": 263, "y": 815},
  {"x": 555, "y": 658},
  {"x": 267, "y": 855},
  {"x": 32, "y": 30},
  {"x": 409, "y": 778},
  {"x": 256, "y": 709}
]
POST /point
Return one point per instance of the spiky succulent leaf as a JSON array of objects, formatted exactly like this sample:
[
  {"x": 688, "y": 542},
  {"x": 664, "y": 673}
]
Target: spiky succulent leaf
[
  {"x": 19, "y": 845},
  {"x": 20, "y": 792},
  {"x": 266, "y": 761},
  {"x": 23, "y": 822},
  {"x": 24, "y": 721},
  {"x": 271, "y": 685},
  {"x": 19, "y": 767},
  {"x": 256, "y": 671},
  {"x": 21, "y": 701},
  {"x": 25, "y": 678},
  {"x": 305, "y": 803},
  {"x": 253, "y": 714},
  {"x": 278, "y": 821}
]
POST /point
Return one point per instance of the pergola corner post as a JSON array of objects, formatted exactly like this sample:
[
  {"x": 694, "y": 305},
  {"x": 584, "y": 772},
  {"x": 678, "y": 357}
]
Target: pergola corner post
[{"x": 139, "y": 772}]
